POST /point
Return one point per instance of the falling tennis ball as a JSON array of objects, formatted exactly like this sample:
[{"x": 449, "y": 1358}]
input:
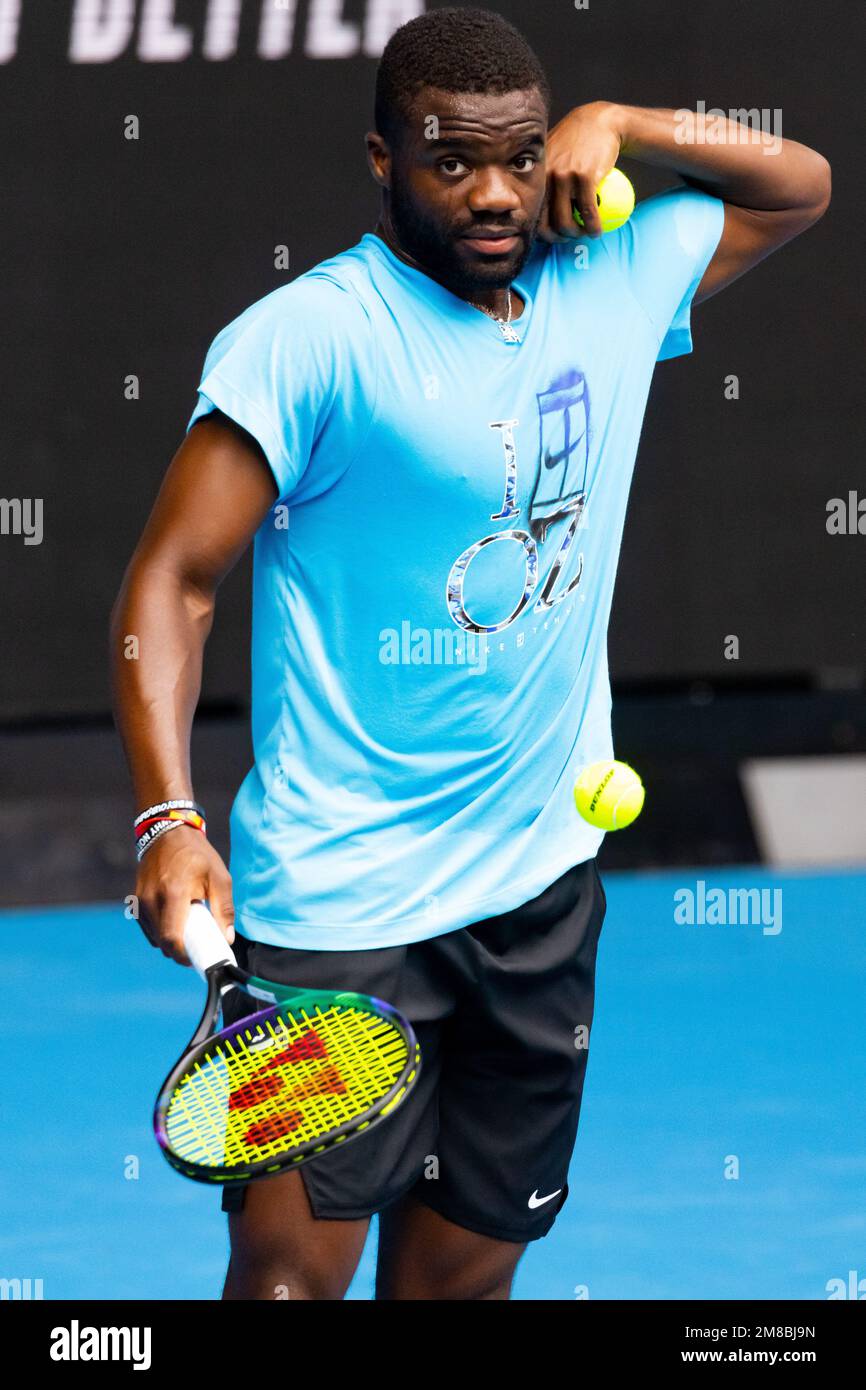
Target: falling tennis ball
[
  {"x": 609, "y": 795},
  {"x": 615, "y": 198}
]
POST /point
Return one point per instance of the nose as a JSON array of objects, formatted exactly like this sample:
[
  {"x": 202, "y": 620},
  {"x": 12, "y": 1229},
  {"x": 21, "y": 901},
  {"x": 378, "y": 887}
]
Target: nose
[{"x": 493, "y": 191}]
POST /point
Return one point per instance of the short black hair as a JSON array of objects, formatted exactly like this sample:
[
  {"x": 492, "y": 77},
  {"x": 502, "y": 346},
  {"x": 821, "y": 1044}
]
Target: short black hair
[{"x": 456, "y": 50}]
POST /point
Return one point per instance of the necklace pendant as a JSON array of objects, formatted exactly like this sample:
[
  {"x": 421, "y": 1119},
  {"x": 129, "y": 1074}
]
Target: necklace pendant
[{"x": 508, "y": 331}]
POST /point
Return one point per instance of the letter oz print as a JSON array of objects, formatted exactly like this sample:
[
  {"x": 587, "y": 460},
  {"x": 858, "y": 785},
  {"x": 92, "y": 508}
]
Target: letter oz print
[{"x": 559, "y": 491}]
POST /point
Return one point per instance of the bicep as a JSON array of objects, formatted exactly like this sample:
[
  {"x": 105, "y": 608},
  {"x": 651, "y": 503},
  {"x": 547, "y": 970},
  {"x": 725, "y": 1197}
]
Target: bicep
[
  {"x": 215, "y": 495},
  {"x": 748, "y": 235}
]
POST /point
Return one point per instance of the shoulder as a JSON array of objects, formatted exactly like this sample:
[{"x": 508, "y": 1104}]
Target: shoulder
[{"x": 322, "y": 305}]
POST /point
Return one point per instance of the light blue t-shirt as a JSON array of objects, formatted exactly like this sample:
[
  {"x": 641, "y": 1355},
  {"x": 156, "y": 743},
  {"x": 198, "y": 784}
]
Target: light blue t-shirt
[{"x": 432, "y": 589}]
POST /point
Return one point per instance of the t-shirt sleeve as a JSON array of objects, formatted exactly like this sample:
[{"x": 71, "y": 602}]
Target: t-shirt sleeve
[
  {"x": 662, "y": 252},
  {"x": 280, "y": 369}
]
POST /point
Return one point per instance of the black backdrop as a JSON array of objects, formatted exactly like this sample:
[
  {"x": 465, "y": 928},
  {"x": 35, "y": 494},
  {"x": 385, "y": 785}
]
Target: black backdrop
[{"x": 125, "y": 257}]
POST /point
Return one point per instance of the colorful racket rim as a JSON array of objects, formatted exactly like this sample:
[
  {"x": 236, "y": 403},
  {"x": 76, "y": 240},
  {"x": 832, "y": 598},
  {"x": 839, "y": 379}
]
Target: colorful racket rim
[{"x": 284, "y": 1086}]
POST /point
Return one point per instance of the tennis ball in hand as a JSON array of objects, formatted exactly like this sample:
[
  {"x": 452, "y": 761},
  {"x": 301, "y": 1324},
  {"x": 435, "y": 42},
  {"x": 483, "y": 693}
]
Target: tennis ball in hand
[
  {"x": 609, "y": 795},
  {"x": 615, "y": 198}
]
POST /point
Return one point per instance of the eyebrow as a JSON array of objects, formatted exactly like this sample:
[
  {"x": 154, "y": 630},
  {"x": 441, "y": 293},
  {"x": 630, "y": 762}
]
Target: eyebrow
[{"x": 462, "y": 141}]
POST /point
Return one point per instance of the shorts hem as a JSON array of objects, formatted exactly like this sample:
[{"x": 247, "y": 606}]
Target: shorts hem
[
  {"x": 362, "y": 1213},
  {"x": 320, "y": 1210},
  {"x": 481, "y": 1228}
]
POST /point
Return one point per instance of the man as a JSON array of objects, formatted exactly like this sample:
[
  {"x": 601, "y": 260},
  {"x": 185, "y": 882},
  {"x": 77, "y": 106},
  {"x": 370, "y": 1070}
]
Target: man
[{"x": 431, "y": 437}]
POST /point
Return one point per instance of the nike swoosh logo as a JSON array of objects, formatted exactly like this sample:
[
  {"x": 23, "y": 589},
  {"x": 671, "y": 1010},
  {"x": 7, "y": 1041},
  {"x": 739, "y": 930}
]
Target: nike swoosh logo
[
  {"x": 536, "y": 1201},
  {"x": 551, "y": 460}
]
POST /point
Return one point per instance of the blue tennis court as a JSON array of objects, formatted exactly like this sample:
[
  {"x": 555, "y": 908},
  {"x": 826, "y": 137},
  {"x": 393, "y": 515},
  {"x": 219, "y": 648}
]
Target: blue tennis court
[{"x": 722, "y": 1149}]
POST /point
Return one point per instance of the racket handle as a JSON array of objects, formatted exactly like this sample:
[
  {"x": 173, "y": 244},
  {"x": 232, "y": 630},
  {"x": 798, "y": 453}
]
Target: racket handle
[{"x": 204, "y": 942}]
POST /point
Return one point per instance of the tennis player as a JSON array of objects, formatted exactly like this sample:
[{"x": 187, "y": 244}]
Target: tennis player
[{"x": 430, "y": 438}]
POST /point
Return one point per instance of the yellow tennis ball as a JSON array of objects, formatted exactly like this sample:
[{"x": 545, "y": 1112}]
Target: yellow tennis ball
[
  {"x": 615, "y": 198},
  {"x": 609, "y": 795}
]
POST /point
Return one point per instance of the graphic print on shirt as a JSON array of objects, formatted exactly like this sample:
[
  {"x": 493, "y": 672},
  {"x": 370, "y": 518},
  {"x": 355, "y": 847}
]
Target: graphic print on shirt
[{"x": 558, "y": 491}]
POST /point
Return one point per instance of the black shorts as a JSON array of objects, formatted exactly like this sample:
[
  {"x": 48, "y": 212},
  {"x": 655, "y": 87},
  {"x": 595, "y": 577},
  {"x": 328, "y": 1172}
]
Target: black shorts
[{"x": 502, "y": 1011}]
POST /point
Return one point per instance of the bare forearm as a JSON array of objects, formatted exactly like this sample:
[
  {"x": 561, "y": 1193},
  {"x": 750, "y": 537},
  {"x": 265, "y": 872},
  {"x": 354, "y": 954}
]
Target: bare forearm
[
  {"x": 214, "y": 497},
  {"x": 159, "y": 628},
  {"x": 743, "y": 166}
]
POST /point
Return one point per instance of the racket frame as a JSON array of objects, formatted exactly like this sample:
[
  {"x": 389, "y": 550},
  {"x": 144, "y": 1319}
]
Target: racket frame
[{"x": 224, "y": 976}]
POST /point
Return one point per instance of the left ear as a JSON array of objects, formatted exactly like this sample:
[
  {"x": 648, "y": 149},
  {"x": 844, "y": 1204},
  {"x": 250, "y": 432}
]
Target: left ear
[{"x": 378, "y": 158}]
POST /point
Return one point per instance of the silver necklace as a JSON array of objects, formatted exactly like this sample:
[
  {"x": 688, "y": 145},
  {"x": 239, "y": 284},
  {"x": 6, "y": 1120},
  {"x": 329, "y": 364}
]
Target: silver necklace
[{"x": 505, "y": 326}]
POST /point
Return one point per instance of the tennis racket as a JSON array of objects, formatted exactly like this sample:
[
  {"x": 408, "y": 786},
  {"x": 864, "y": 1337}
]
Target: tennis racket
[{"x": 313, "y": 1069}]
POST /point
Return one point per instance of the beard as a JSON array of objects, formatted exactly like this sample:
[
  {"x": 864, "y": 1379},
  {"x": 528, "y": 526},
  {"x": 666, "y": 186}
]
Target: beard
[{"x": 434, "y": 247}]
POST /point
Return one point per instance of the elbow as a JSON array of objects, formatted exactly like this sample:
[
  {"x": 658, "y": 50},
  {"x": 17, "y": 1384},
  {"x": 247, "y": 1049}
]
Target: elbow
[
  {"x": 126, "y": 598},
  {"x": 823, "y": 187},
  {"x": 814, "y": 199},
  {"x": 121, "y": 641},
  {"x": 157, "y": 592},
  {"x": 115, "y": 621}
]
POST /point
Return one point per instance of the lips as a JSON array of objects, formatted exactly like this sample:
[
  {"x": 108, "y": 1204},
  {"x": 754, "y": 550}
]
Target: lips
[{"x": 492, "y": 242}]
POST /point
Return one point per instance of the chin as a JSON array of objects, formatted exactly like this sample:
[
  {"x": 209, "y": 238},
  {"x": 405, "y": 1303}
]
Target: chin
[
  {"x": 491, "y": 277},
  {"x": 485, "y": 272}
]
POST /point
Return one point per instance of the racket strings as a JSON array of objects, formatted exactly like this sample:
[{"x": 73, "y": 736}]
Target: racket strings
[{"x": 284, "y": 1083}]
